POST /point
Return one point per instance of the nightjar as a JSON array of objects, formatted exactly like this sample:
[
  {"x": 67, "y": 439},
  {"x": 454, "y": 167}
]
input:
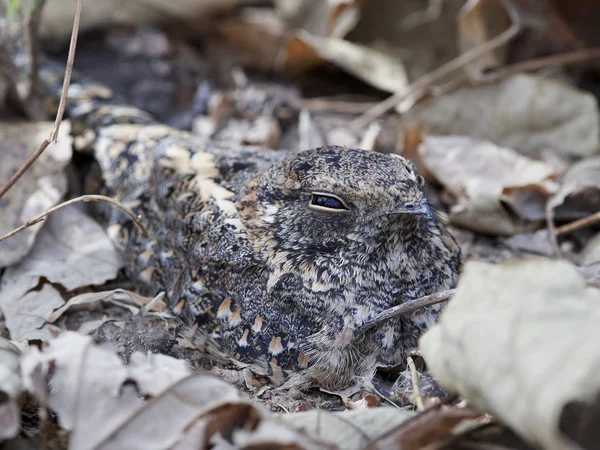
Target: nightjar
[{"x": 277, "y": 258}]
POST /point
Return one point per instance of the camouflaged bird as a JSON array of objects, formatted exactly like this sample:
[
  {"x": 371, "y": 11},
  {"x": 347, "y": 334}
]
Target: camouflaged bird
[{"x": 278, "y": 258}]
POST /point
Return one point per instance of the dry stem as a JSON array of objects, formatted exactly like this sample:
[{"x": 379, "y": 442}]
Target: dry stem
[
  {"x": 61, "y": 106},
  {"x": 541, "y": 63},
  {"x": 578, "y": 224},
  {"x": 409, "y": 307},
  {"x": 83, "y": 198},
  {"x": 436, "y": 75}
]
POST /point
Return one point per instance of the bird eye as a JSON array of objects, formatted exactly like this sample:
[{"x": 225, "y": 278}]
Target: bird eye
[
  {"x": 327, "y": 202},
  {"x": 420, "y": 180}
]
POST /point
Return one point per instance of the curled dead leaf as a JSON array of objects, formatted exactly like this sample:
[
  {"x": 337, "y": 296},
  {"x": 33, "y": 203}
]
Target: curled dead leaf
[
  {"x": 525, "y": 112},
  {"x": 494, "y": 189},
  {"x": 73, "y": 251},
  {"x": 520, "y": 340},
  {"x": 40, "y": 188}
]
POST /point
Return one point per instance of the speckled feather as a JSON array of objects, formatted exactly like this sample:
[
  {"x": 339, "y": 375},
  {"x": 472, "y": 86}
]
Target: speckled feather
[{"x": 267, "y": 279}]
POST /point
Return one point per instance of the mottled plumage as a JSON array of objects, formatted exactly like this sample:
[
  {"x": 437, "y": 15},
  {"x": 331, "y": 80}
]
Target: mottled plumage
[{"x": 277, "y": 257}]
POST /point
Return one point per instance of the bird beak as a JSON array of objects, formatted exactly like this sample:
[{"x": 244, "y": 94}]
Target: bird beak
[{"x": 419, "y": 208}]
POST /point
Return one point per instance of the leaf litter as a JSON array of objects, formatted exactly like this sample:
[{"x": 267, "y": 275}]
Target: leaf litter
[{"x": 502, "y": 155}]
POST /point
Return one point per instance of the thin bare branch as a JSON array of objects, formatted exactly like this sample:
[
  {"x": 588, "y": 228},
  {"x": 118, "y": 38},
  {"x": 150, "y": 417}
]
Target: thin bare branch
[
  {"x": 408, "y": 307},
  {"x": 83, "y": 198},
  {"x": 61, "y": 106},
  {"x": 561, "y": 59},
  {"x": 68, "y": 70},
  {"x": 578, "y": 224},
  {"x": 427, "y": 80}
]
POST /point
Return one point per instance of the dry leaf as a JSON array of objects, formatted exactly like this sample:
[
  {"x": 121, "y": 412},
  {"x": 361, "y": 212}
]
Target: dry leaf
[
  {"x": 91, "y": 390},
  {"x": 72, "y": 250},
  {"x": 478, "y": 22},
  {"x": 310, "y": 136},
  {"x": 10, "y": 389},
  {"x": 119, "y": 297},
  {"x": 521, "y": 341},
  {"x": 590, "y": 260},
  {"x": 579, "y": 193},
  {"x": 348, "y": 429},
  {"x": 155, "y": 402},
  {"x": 321, "y": 17},
  {"x": 429, "y": 428},
  {"x": 372, "y": 66},
  {"x": 495, "y": 190},
  {"x": 524, "y": 112},
  {"x": 57, "y": 17},
  {"x": 40, "y": 188}
]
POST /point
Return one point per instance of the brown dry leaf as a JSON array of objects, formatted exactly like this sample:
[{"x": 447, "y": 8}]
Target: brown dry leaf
[
  {"x": 478, "y": 22},
  {"x": 410, "y": 31},
  {"x": 432, "y": 427},
  {"x": 579, "y": 193},
  {"x": 321, "y": 27},
  {"x": 524, "y": 112},
  {"x": 40, "y": 188},
  {"x": 372, "y": 66},
  {"x": 485, "y": 180},
  {"x": 72, "y": 250},
  {"x": 348, "y": 429},
  {"x": 521, "y": 340},
  {"x": 10, "y": 389},
  {"x": 57, "y": 17},
  {"x": 101, "y": 401}
]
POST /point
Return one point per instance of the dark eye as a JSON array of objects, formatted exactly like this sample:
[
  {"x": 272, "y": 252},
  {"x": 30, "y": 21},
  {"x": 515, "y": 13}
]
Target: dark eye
[
  {"x": 327, "y": 202},
  {"x": 420, "y": 180}
]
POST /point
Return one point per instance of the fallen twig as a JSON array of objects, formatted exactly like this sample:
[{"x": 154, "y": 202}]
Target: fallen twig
[
  {"x": 61, "y": 106},
  {"x": 409, "y": 307},
  {"x": 436, "y": 75},
  {"x": 540, "y": 63},
  {"x": 83, "y": 198},
  {"x": 578, "y": 224},
  {"x": 414, "y": 378}
]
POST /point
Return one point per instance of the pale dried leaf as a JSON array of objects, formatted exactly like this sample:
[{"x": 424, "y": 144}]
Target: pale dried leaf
[
  {"x": 320, "y": 17},
  {"x": 372, "y": 66},
  {"x": 10, "y": 388},
  {"x": 264, "y": 131},
  {"x": 484, "y": 179},
  {"x": 478, "y": 22},
  {"x": 348, "y": 429},
  {"x": 428, "y": 429},
  {"x": 423, "y": 44},
  {"x": 579, "y": 193},
  {"x": 100, "y": 400},
  {"x": 310, "y": 136},
  {"x": 26, "y": 314},
  {"x": 90, "y": 389},
  {"x": 40, "y": 188},
  {"x": 590, "y": 260},
  {"x": 57, "y": 17},
  {"x": 72, "y": 250},
  {"x": 521, "y": 341},
  {"x": 524, "y": 112},
  {"x": 119, "y": 297}
]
